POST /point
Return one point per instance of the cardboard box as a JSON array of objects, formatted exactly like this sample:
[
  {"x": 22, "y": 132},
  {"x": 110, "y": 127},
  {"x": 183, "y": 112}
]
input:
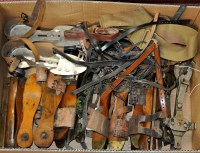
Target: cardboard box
[{"x": 71, "y": 13}]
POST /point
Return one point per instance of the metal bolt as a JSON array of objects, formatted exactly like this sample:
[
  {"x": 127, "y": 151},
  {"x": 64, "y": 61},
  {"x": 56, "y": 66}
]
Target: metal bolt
[
  {"x": 25, "y": 137},
  {"x": 59, "y": 69},
  {"x": 44, "y": 135},
  {"x": 66, "y": 70}
]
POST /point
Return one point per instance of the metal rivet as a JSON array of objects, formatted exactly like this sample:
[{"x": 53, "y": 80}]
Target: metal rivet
[
  {"x": 185, "y": 125},
  {"x": 25, "y": 137},
  {"x": 44, "y": 135},
  {"x": 179, "y": 105}
]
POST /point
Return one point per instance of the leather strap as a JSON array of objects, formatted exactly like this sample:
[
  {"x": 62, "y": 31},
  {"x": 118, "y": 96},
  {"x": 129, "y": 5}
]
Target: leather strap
[
  {"x": 159, "y": 79},
  {"x": 68, "y": 102},
  {"x": 65, "y": 117},
  {"x": 36, "y": 17},
  {"x": 108, "y": 76},
  {"x": 105, "y": 34},
  {"x": 123, "y": 110},
  {"x": 128, "y": 71},
  {"x": 99, "y": 34},
  {"x": 179, "y": 12},
  {"x": 98, "y": 122},
  {"x": 136, "y": 128},
  {"x": 126, "y": 33},
  {"x": 14, "y": 61},
  {"x": 56, "y": 82}
]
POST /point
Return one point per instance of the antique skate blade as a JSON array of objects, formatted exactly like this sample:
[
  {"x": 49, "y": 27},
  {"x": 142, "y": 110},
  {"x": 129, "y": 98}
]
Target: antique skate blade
[
  {"x": 31, "y": 98},
  {"x": 43, "y": 134},
  {"x": 68, "y": 100}
]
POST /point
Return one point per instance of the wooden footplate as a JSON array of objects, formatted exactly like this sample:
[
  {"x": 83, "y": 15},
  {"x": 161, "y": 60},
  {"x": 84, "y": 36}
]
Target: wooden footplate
[{"x": 31, "y": 98}]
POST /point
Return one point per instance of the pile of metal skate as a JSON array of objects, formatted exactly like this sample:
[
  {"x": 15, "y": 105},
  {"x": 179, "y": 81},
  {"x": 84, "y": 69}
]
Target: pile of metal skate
[{"x": 107, "y": 81}]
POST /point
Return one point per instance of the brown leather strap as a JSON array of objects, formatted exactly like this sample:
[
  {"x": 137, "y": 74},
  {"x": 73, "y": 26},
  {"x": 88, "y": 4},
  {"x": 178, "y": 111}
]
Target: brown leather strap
[
  {"x": 100, "y": 34},
  {"x": 14, "y": 61},
  {"x": 36, "y": 17},
  {"x": 65, "y": 117},
  {"x": 123, "y": 110},
  {"x": 105, "y": 34},
  {"x": 159, "y": 78},
  {"x": 136, "y": 128},
  {"x": 98, "y": 122},
  {"x": 151, "y": 34},
  {"x": 56, "y": 82}
]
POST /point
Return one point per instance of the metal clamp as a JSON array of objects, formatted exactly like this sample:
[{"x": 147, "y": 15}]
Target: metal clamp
[{"x": 178, "y": 124}]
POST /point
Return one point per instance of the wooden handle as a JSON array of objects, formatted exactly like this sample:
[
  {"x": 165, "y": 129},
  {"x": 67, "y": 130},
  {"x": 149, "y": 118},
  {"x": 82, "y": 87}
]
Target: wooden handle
[
  {"x": 19, "y": 104},
  {"x": 43, "y": 134},
  {"x": 31, "y": 98},
  {"x": 68, "y": 100},
  {"x": 10, "y": 122}
]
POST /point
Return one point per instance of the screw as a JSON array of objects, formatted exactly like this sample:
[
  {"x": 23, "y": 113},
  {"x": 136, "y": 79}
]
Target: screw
[
  {"x": 25, "y": 137},
  {"x": 66, "y": 70},
  {"x": 59, "y": 69},
  {"x": 44, "y": 135}
]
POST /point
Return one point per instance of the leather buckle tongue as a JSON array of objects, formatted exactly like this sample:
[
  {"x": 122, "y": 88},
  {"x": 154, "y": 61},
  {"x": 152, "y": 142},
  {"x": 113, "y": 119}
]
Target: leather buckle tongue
[{"x": 98, "y": 122}]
